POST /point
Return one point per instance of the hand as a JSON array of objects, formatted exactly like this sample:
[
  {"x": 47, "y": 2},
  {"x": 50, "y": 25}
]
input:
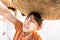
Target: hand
[{"x": 3, "y": 9}]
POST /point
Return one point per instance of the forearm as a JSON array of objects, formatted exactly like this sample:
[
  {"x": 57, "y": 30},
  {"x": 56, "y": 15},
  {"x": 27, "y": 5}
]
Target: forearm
[
  {"x": 10, "y": 17},
  {"x": 4, "y": 11}
]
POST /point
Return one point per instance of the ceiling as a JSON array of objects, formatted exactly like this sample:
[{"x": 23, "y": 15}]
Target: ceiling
[{"x": 50, "y": 9}]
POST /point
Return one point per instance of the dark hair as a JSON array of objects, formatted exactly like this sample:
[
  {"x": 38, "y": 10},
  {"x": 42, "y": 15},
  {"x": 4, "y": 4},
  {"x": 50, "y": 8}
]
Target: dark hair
[
  {"x": 36, "y": 16},
  {"x": 12, "y": 8}
]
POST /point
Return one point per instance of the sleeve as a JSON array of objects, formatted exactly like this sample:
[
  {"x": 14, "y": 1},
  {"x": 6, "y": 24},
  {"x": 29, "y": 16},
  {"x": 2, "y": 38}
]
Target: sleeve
[
  {"x": 18, "y": 27},
  {"x": 36, "y": 36},
  {"x": 18, "y": 24}
]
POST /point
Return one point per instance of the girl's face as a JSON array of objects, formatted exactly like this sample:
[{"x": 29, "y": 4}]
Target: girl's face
[{"x": 30, "y": 25}]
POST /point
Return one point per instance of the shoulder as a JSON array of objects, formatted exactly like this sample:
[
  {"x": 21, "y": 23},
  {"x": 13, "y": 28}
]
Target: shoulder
[
  {"x": 18, "y": 24},
  {"x": 36, "y": 36}
]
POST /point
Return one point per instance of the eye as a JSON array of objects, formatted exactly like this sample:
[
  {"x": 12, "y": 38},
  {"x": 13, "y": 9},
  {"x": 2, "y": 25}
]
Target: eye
[{"x": 32, "y": 21}]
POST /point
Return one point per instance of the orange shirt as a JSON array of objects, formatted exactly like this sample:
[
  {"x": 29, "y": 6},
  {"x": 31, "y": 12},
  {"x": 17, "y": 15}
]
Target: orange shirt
[{"x": 19, "y": 33}]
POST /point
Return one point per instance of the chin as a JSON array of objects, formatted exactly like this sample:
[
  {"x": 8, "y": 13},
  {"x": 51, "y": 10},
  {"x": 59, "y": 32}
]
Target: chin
[{"x": 27, "y": 31}]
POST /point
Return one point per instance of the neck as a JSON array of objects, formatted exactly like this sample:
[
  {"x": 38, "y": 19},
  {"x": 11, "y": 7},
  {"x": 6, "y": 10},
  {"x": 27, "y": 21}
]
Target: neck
[{"x": 26, "y": 33}]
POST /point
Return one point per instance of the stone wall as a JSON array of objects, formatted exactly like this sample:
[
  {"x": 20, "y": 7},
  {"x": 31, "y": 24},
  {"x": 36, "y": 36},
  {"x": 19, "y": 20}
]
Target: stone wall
[{"x": 50, "y": 9}]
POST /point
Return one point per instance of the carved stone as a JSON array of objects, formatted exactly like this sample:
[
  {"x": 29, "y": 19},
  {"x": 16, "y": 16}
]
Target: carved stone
[{"x": 50, "y": 9}]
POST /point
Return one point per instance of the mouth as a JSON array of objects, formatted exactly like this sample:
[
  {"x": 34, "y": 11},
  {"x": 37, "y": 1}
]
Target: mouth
[{"x": 26, "y": 27}]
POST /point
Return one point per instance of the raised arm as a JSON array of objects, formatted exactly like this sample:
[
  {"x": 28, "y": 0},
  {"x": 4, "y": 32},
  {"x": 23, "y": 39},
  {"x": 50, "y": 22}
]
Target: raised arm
[{"x": 4, "y": 11}]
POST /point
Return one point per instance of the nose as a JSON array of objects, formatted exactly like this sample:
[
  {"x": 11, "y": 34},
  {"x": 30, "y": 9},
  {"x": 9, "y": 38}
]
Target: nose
[{"x": 26, "y": 25}]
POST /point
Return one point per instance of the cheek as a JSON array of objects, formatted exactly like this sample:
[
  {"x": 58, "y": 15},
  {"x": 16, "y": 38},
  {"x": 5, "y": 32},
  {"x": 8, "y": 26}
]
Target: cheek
[
  {"x": 26, "y": 25},
  {"x": 32, "y": 26}
]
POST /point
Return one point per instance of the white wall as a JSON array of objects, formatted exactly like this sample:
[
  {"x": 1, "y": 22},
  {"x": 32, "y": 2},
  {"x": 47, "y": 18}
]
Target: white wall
[{"x": 52, "y": 29}]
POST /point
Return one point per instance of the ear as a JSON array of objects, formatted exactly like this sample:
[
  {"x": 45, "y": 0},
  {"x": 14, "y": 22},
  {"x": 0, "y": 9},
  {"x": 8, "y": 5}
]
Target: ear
[{"x": 39, "y": 27}]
